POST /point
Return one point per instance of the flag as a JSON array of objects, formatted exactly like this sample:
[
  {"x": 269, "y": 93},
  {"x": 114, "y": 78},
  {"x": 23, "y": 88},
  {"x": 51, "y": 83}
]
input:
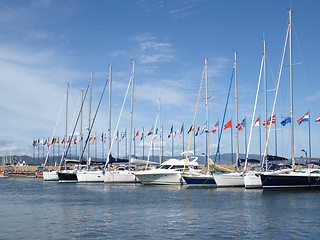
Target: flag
[
  {"x": 273, "y": 121},
  {"x": 204, "y": 128},
  {"x": 90, "y": 138},
  {"x": 244, "y": 122},
  {"x": 105, "y": 138},
  {"x": 141, "y": 136},
  {"x": 94, "y": 137},
  {"x": 305, "y": 118},
  {"x": 215, "y": 127},
  {"x": 228, "y": 125},
  {"x": 286, "y": 120},
  {"x": 155, "y": 134},
  {"x": 171, "y": 131},
  {"x": 45, "y": 142},
  {"x": 149, "y": 133},
  {"x": 257, "y": 122},
  {"x": 63, "y": 141},
  {"x": 75, "y": 140},
  {"x": 190, "y": 129},
  {"x": 57, "y": 140},
  {"x": 181, "y": 130},
  {"x": 196, "y": 134},
  {"x": 137, "y": 134},
  {"x": 102, "y": 137},
  {"x": 239, "y": 127},
  {"x": 318, "y": 119}
]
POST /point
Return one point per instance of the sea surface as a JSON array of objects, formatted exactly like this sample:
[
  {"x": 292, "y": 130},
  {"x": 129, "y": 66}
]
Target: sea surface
[{"x": 34, "y": 209}]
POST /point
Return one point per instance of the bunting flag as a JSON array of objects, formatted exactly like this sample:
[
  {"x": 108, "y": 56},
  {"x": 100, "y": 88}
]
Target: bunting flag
[
  {"x": 273, "y": 121},
  {"x": 190, "y": 129},
  {"x": 75, "y": 140},
  {"x": 305, "y": 118},
  {"x": 196, "y": 134},
  {"x": 171, "y": 131},
  {"x": 257, "y": 122},
  {"x": 239, "y": 127},
  {"x": 204, "y": 128},
  {"x": 244, "y": 122},
  {"x": 149, "y": 133},
  {"x": 215, "y": 127},
  {"x": 318, "y": 119},
  {"x": 155, "y": 134},
  {"x": 141, "y": 136},
  {"x": 228, "y": 125},
  {"x": 137, "y": 134},
  {"x": 286, "y": 120},
  {"x": 181, "y": 130}
]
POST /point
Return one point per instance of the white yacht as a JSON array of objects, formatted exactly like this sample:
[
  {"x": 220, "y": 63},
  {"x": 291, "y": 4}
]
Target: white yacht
[{"x": 170, "y": 172}]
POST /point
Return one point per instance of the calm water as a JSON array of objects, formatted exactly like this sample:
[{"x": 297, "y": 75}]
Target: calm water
[{"x": 33, "y": 209}]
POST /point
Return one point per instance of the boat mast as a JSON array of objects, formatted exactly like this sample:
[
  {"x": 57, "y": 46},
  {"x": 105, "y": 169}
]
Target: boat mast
[
  {"x": 291, "y": 90},
  {"x": 159, "y": 135},
  {"x": 89, "y": 123},
  {"x": 131, "y": 121},
  {"x": 207, "y": 115},
  {"x": 236, "y": 98},
  {"x": 66, "y": 133},
  {"x": 265, "y": 97},
  {"x": 81, "y": 121},
  {"x": 110, "y": 84}
]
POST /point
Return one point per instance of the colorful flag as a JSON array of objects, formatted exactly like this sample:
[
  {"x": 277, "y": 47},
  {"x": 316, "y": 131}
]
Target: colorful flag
[
  {"x": 228, "y": 125},
  {"x": 244, "y": 122},
  {"x": 141, "y": 136},
  {"x": 257, "y": 122},
  {"x": 149, "y": 133},
  {"x": 196, "y": 134},
  {"x": 75, "y": 140},
  {"x": 94, "y": 137},
  {"x": 63, "y": 141},
  {"x": 318, "y": 119},
  {"x": 105, "y": 138},
  {"x": 273, "y": 121},
  {"x": 204, "y": 128},
  {"x": 286, "y": 120},
  {"x": 215, "y": 127},
  {"x": 171, "y": 131},
  {"x": 239, "y": 127},
  {"x": 181, "y": 130},
  {"x": 45, "y": 142},
  {"x": 190, "y": 129},
  {"x": 305, "y": 118},
  {"x": 155, "y": 134},
  {"x": 137, "y": 134},
  {"x": 90, "y": 138}
]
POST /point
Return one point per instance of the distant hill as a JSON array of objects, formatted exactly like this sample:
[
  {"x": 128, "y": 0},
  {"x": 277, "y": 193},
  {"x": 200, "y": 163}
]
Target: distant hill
[{"x": 225, "y": 158}]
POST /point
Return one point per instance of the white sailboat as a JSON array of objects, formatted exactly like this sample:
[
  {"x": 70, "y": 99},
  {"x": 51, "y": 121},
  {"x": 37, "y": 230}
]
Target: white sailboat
[
  {"x": 87, "y": 174},
  {"x": 232, "y": 179},
  {"x": 126, "y": 175}
]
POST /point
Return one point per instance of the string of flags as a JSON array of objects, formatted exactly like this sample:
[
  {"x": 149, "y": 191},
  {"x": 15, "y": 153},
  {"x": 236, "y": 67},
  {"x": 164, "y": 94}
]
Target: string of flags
[{"x": 172, "y": 133}]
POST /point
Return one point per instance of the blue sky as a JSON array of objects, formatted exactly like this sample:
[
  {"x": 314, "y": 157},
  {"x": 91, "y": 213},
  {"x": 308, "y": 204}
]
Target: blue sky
[{"x": 46, "y": 43}]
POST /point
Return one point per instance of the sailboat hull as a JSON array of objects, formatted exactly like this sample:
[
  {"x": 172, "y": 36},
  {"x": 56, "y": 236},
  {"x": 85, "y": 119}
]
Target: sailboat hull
[
  {"x": 90, "y": 176},
  {"x": 200, "y": 181},
  {"x": 292, "y": 179},
  {"x": 68, "y": 176},
  {"x": 50, "y": 176},
  {"x": 120, "y": 177},
  {"x": 229, "y": 179},
  {"x": 252, "y": 180}
]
